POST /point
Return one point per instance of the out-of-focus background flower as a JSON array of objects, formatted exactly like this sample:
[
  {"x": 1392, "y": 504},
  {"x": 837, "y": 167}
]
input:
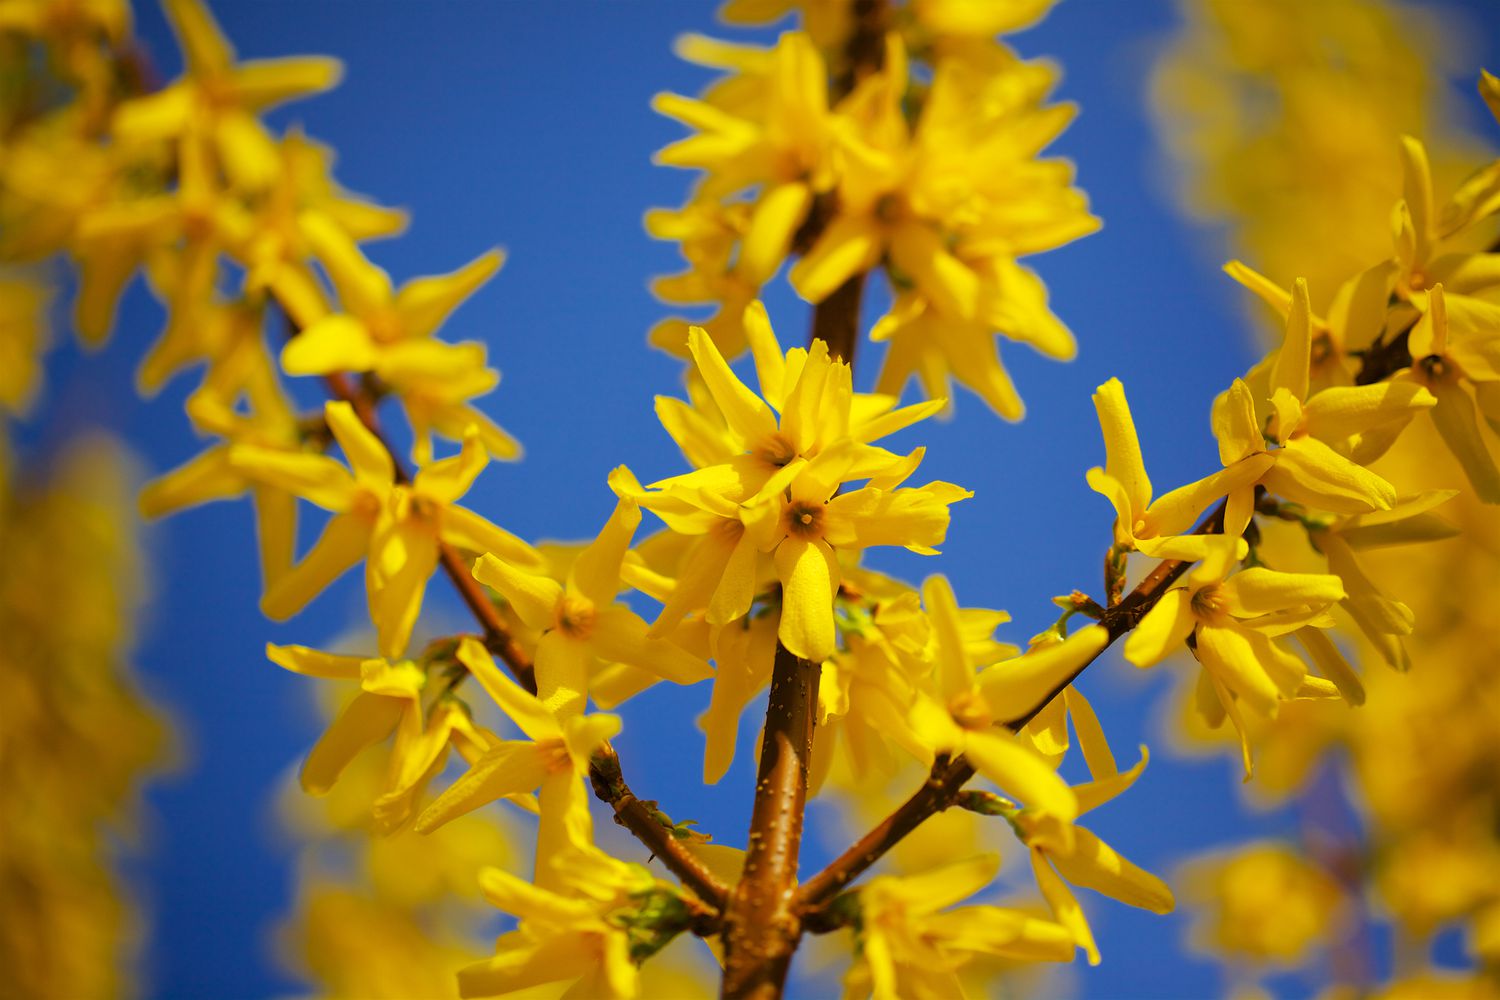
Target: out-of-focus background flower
[{"x": 1209, "y": 130}]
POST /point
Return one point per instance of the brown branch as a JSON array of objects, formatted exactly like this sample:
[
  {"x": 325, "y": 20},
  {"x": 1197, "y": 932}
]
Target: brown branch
[
  {"x": 761, "y": 927},
  {"x": 836, "y": 320},
  {"x": 948, "y": 777},
  {"x": 643, "y": 820},
  {"x": 761, "y": 924}
]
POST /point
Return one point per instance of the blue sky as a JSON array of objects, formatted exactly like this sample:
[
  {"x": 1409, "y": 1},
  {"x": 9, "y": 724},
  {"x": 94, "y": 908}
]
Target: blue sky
[{"x": 527, "y": 125}]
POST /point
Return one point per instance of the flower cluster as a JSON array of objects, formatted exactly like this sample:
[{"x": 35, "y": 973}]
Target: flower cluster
[
  {"x": 904, "y": 140},
  {"x": 901, "y": 140},
  {"x": 1393, "y": 233}
]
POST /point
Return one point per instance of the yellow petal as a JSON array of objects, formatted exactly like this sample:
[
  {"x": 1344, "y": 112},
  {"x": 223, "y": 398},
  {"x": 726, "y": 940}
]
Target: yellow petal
[
  {"x": 917, "y": 249},
  {"x": 1095, "y": 864},
  {"x": 1332, "y": 663},
  {"x": 1259, "y": 591},
  {"x": 467, "y": 530},
  {"x": 423, "y": 303},
  {"x": 596, "y": 571},
  {"x": 333, "y": 344},
  {"x": 534, "y": 598},
  {"x": 343, "y": 543},
  {"x": 210, "y": 476},
  {"x": 1235, "y": 425},
  {"x": 367, "y": 454},
  {"x": 1308, "y": 471},
  {"x": 363, "y": 288},
  {"x": 403, "y": 555},
  {"x": 263, "y": 83},
  {"x": 1175, "y": 512},
  {"x": 1340, "y": 412},
  {"x": 448, "y": 479},
  {"x": 770, "y": 362},
  {"x": 810, "y": 576},
  {"x": 1290, "y": 371},
  {"x": 521, "y": 706},
  {"x": 508, "y": 768},
  {"x": 1021, "y": 773},
  {"x": 1018, "y": 686},
  {"x": 1453, "y": 416},
  {"x": 368, "y": 719},
  {"x": 1164, "y": 629},
  {"x": 315, "y": 663},
  {"x": 246, "y": 151},
  {"x": 1091, "y": 740},
  {"x": 850, "y": 245},
  {"x": 778, "y": 213},
  {"x": 620, "y": 636},
  {"x": 207, "y": 51},
  {"x": 1064, "y": 906},
  {"x": 954, "y": 674},
  {"x": 1229, "y": 654},
  {"x": 746, "y": 413},
  {"x": 1122, "y": 448}
]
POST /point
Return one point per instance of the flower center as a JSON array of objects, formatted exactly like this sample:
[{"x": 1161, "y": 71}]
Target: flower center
[
  {"x": 776, "y": 450},
  {"x": 971, "y": 711},
  {"x": 1209, "y": 603},
  {"x": 575, "y": 616},
  {"x": 804, "y": 519}
]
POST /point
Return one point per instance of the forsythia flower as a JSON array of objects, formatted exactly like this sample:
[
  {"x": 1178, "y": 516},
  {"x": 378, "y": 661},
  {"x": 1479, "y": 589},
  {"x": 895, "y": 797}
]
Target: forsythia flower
[
  {"x": 970, "y": 706},
  {"x": 1233, "y": 622},
  {"x": 390, "y": 702},
  {"x": 910, "y": 945},
  {"x": 771, "y": 485},
  {"x": 395, "y": 527},
  {"x": 933, "y": 175},
  {"x": 582, "y": 623},
  {"x": 1262, "y": 903},
  {"x": 219, "y": 99},
  {"x": 557, "y": 748},
  {"x": 1314, "y": 431},
  {"x": 1062, "y": 850},
  {"x": 1140, "y": 522}
]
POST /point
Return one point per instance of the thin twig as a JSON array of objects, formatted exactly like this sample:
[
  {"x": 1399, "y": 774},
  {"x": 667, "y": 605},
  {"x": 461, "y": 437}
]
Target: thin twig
[{"x": 645, "y": 822}]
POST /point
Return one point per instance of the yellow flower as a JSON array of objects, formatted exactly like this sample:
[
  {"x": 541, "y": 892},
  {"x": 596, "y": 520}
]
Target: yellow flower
[
  {"x": 1231, "y": 623},
  {"x": 390, "y": 702},
  {"x": 1315, "y": 431},
  {"x": 1063, "y": 852},
  {"x": 1141, "y": 523},
  {"x": 582, "y": 624},
  {"x": 557, "y": 745},
  {"x": 1456, "y": 340},
  {"x": 1262, "y": 903},
  {"x": 394, "y": 526},
  {"x": 1383, "y": 621},
  {"x": 806, "y": 524},
  {"x": 562, "y": 938},
  {"x": 909, "y": 945},
  {"x": 213, "y": 475},
  {"x": 267, "y": 238},
  {"x": 964, "y": 712},
  {"x": 219, "y": 98},
  {"x": 378, "y": 324}
]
